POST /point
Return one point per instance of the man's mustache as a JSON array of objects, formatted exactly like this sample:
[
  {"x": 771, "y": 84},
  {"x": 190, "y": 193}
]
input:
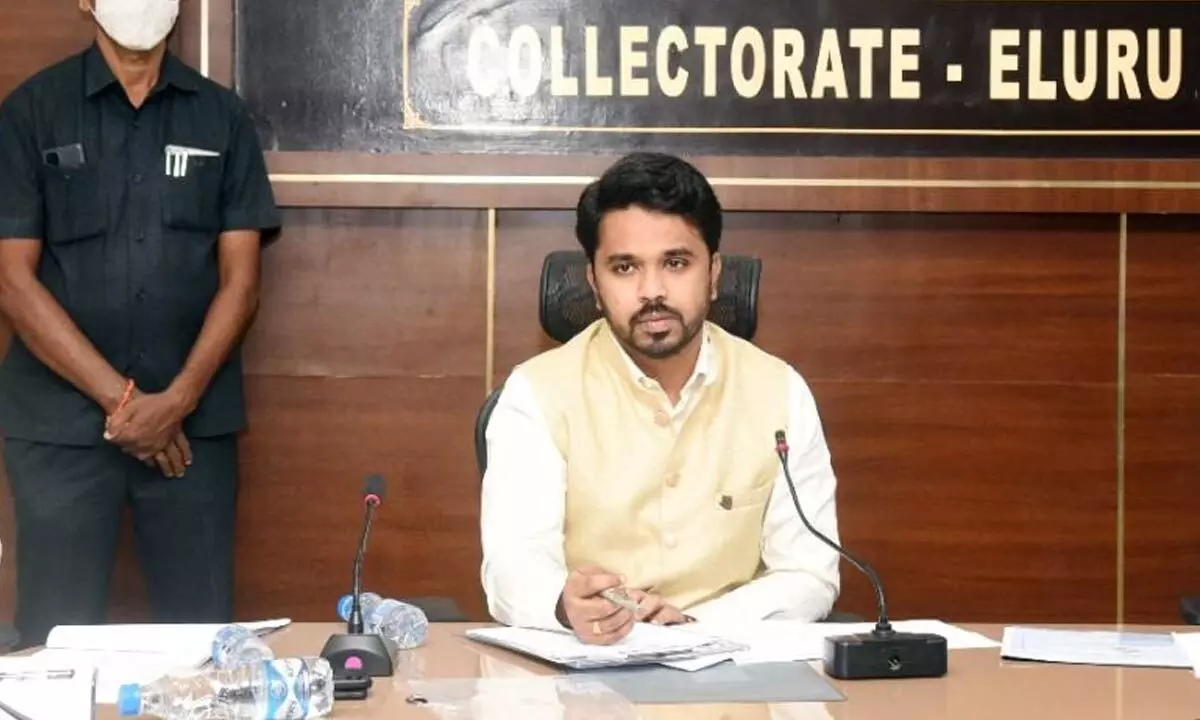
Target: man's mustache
[{"x": 655, "y": 309}]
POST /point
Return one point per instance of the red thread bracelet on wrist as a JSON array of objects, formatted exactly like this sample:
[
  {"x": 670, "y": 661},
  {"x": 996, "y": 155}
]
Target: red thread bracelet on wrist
[{"x": 129, "y": 385}]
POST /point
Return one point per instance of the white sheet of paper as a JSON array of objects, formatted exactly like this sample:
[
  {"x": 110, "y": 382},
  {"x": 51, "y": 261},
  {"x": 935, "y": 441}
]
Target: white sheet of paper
[
  {"x": 174, "y": 638},
  {"x": 137, "y": 653},
  {"x": 1093, "y": 647},
  {"x": 788, "y": 640},
  {"x": 115, "y": 668},
  {"x": 1189, "y": 643},
  {"x": 697, "y": 663},
  {"x": 47, "y": 699},
  {"x": 563, "y": 647}
]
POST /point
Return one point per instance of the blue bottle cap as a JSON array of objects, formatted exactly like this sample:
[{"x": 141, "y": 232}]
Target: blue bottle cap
[{"x": 129, "y": 700}]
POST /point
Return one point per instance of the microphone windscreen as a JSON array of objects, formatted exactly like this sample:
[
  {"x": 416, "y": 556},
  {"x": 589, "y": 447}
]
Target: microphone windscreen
[{"x": 375, "y": 486}]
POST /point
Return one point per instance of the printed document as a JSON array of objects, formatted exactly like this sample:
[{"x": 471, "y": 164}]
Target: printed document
[{"x": 1093, "y": 647}]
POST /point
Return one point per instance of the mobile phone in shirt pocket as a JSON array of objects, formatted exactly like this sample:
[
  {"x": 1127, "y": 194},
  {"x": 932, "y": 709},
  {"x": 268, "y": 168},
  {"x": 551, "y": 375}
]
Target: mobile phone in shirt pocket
[
  {"x": 73, "y": 195},
  {"x": 192, "y": 189}
]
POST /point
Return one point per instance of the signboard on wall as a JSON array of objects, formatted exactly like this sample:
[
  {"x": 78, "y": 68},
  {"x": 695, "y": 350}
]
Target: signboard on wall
[{"x": 729, "y": 77}]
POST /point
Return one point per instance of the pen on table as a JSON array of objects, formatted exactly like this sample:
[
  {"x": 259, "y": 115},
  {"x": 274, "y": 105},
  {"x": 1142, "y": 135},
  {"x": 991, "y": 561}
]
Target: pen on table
[{"x": 64, "y": 674}]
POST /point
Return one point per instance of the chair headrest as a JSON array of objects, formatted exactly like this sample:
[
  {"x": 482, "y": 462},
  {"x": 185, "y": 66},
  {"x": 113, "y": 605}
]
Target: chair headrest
[{"x": 568, "y": 304}]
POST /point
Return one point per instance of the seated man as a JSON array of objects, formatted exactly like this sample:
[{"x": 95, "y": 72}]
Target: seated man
[{"x": 641, "y": 454}]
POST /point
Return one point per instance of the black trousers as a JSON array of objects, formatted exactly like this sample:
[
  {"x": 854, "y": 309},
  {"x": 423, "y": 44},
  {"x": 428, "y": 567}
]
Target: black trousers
[{"x": 68, "y": 503}]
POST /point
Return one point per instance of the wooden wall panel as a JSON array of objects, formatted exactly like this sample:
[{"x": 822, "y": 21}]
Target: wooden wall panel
[
  {"x": 937, "y": 297},
  {"x": 373, "y": 293},
  {"x": 36, "y": 34},
  {"x": 300, "y": 513},
  {"x": 954, "y": 359},
  {"x": 368, "y": 356},
  {"x": 32, "y": 36},
  {"x": 1162, "y": 420},
  {"x": 977, "y": 501}
]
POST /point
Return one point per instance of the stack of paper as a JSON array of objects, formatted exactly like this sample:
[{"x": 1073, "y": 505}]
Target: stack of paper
[
  {"x": 699, "y": 645},
  {"x": 1189, "y": 643},
  {"x": 44, "y": 690},
  {"x": 1088, "y": 647},
  {"x": 647, "y": 644},
  {"x": 768, "y": 641},
  {"x": 136, "y": 653}
]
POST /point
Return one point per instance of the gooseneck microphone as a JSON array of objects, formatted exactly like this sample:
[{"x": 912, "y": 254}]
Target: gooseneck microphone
[
  {"x": 372, "y": 497},
  {"x": 883, "y": 652},
  {"x": 356, "y": 652},
  {"x": 882, "y": 626}
]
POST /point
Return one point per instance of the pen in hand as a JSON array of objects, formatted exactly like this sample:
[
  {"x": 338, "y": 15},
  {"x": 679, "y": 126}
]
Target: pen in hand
[{"x": 618, "y": 597}]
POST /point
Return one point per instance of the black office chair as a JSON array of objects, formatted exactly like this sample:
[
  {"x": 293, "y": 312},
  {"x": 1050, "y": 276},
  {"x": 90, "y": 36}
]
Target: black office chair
[
  {"x": 481, "y": 423},
  {"x": 1189, "y": 607},
  {"x": 568, "y": 305},
  {"x": 438, "y": 609}
]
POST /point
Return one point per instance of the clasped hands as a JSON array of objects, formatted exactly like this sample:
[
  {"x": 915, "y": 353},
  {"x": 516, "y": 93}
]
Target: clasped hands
[
  {"x": 149, "y": 427},
  {"x": 596, "y": 620}
]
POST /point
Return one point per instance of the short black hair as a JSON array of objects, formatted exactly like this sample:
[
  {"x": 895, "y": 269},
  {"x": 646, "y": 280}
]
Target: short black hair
[{"x": 654, "y": 181}]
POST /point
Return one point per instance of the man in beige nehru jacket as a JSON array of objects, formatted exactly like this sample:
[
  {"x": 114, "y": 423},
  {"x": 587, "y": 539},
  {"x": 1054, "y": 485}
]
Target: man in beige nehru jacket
[{"x": 640, "y": 455}]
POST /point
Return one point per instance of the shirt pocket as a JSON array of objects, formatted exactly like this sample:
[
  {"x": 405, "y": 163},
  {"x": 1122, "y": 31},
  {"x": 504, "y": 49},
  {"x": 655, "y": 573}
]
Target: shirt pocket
[
  {"x": 75, "y": 207},
  {"x": 192, "y": 202},
  {"x": 744, "y": 498}
]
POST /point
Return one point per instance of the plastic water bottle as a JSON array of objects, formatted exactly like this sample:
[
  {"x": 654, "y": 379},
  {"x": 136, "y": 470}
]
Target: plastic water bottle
[
  {"x": 235, "y": 645},
  {"x": 401, "y": 624},
  {"x": 285, "y": 689}
]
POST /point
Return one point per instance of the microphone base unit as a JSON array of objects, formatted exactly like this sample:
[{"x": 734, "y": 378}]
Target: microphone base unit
[
  {"x": 367, "y": 654},
  {"x": 876, "y": 656}
]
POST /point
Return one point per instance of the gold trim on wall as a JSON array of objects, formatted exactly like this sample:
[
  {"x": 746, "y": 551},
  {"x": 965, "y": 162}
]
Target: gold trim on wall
[
  {"x": 902, "y": 132},
  {"x": 1122, "y": 286},
  {"x": 490, "y": 353},
  {"x": 558, "y": 180}
]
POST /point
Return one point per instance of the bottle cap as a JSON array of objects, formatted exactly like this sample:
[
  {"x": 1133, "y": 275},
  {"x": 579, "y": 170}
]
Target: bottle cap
[{"x": 129, "y": 700}]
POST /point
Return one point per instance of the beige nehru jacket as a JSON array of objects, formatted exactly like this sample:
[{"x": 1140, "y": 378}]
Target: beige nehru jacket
[{"x": 681, "y": 500}]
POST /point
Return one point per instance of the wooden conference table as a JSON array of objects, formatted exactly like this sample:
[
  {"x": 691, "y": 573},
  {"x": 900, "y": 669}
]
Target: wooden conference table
[{"x": 979, "y": 686}]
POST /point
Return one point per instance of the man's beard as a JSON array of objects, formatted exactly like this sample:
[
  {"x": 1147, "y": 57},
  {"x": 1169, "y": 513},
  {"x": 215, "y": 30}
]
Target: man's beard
[{"x": 658, "y": 348}]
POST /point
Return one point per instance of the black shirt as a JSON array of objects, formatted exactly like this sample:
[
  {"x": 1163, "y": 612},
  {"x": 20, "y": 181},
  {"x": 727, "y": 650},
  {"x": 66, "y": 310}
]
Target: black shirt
[{"x": 129, "y": 204}]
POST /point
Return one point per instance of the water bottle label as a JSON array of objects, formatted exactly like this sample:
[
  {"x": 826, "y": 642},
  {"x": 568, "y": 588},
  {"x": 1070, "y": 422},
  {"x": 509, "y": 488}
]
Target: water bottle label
[{"x": 288, "y": 689}]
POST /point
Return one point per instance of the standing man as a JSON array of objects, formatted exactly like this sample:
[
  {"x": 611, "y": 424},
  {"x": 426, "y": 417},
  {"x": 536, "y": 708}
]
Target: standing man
[{"x": 134, "y": 201}]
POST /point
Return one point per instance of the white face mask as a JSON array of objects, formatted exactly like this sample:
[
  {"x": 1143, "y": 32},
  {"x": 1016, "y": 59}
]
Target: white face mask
[{"x": 137, "y": 25}]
